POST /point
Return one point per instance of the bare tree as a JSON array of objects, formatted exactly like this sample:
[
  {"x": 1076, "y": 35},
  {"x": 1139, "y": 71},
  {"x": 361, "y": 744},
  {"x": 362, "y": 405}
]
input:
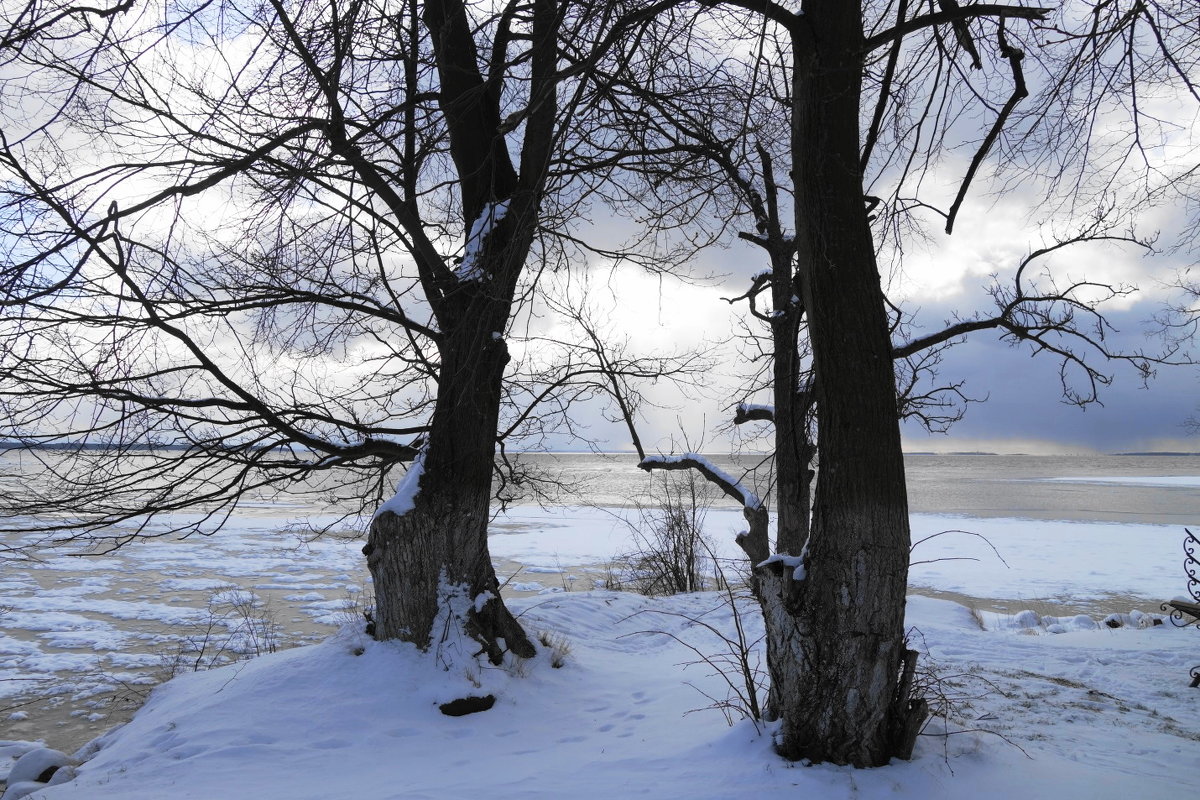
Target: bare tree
[
  {"x": 281, "y": 248},
  {"x": 833, "y": 592}
]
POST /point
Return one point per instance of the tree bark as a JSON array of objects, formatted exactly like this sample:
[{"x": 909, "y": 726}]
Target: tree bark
[
  {"x": 836, "y": 627},
  {"x": 793, "y": 449},
  {"x": 433, "y": 574},
  {"x": 424, "y": 562}
]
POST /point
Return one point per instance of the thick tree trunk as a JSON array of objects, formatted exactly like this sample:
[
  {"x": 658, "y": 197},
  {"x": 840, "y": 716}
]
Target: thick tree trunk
[
  {"x": 836, "y": 626},
  {"x": 434, "y": 580},
  {"x": 431, "y": 564}
]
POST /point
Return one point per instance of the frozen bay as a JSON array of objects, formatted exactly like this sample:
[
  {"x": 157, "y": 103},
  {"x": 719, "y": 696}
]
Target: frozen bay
[{"x": 83, "y": 638}]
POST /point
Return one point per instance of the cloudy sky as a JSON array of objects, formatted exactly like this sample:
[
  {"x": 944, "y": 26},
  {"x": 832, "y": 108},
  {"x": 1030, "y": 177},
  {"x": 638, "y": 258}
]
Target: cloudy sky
[
  {"x": 1024, "y": 412},
  {"x": 1023, "y": 409}
]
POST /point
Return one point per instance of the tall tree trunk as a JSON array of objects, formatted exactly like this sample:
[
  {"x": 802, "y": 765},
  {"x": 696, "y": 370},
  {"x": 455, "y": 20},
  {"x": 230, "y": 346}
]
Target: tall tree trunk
[
  {"x": 836, "y": 625},
  {"x": 431, "y": 564},
  {"x": 433, "y": 574},
  {"x": 793, "y": 474}
]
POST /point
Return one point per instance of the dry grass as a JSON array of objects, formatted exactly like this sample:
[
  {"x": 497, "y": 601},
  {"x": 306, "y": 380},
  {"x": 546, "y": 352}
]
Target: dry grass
[{"x": 558, "y": 646}]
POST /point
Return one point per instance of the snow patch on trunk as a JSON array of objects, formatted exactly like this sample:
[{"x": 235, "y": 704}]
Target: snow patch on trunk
[
  {"x": 750, "y": 408},
  {"x": 481, "y": 600},
  {"x": 795, "y": 563},
  {"x": 453, "y": 647},
  {"x": 405, "y": 499},
  {"x": 485, "y": 223}
]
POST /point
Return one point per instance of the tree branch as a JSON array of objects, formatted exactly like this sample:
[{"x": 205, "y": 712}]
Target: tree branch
[
  {"x": 1014, "y": 56},
  {"x": 959, "y": 14}
]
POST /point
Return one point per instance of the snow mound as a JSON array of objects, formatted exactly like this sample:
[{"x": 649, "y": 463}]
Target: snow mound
[
  {"x": 37, "y": 768},
  {"x": 11, "y": 751}
]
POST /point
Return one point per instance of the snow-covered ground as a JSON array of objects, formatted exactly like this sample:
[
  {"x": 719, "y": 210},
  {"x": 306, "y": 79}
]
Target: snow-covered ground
[
  {"x": 1047, "y": 704},
  {"x": 1096, "y": 714}
]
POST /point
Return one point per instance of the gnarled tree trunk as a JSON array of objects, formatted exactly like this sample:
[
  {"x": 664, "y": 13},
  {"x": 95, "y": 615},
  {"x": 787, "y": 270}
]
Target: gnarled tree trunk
[
  {"x": 433, "y": 574},
  {"x": 433, "y": 559}
]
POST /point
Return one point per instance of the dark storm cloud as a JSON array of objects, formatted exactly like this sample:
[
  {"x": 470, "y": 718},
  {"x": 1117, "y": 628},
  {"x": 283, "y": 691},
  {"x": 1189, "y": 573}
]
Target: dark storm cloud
[{"x": 1024, "y": 397}]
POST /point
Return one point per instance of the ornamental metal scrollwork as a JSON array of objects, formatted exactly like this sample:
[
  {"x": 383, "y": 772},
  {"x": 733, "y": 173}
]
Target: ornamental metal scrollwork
[{"x": 1191, "y": 567}]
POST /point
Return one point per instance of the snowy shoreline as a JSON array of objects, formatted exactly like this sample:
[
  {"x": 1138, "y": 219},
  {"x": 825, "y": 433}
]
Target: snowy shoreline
[
  {"x": 93, "y": 629},
  {"x": 1099, "y": 713}
]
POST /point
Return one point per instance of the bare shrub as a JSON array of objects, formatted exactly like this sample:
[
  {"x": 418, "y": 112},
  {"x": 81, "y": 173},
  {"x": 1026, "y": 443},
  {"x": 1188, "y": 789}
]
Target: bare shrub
[
  {"x": 358, "y": 611},
  {"x": 558, "y": 645},
  {"x": 613, "y": 577},
  {"x": 238, "y": 625},
  {"x": 952, "y": 695},
  {"x": 671, "y": 554},
  {"x": 977, "y": 616}
]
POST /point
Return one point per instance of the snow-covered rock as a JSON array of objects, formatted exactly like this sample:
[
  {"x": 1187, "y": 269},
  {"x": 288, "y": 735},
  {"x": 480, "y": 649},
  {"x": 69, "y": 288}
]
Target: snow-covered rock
[
  {"x": 64, "y": 774},
  {"x": 34, "y": 764},
  {"x": 10, "y": 751},
  {"x": 15, "y": 791}
]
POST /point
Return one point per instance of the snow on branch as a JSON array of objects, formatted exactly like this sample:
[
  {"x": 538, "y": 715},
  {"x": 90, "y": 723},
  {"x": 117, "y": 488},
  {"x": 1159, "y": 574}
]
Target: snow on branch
[
  {"x": 728, "y": 484},
  {"x": 794, "y": 563},
  {"x": 753, "y": 412},
  {"x": 489, "y": 218},
  {"x": 754, "y": 541}
]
